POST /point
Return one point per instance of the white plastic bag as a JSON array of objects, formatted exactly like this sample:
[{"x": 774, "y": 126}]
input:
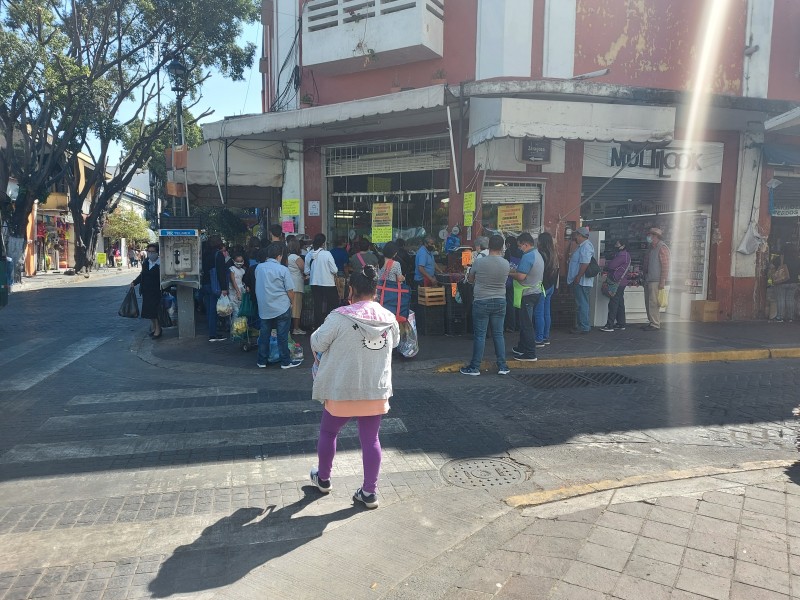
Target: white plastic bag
[{"x": 224, "y": 306}]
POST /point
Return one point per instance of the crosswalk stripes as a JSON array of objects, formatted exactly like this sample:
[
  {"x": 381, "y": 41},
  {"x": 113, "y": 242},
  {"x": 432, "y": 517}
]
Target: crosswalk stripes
[
  {"x": 8, "y": 355},
  {"x": 126, "y": 424},
  {"x": 36, "y": 373}
]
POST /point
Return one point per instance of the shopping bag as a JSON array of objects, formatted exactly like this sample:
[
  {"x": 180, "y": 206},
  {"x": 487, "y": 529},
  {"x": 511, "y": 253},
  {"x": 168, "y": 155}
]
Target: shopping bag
[
  {"x": 274, "y": 351},
  {"x": 781, "y": 275},
  {"x": 315, "y": 366},
  {"x": 224, "y": 306},
  {"x": 518, "y": 289},
  {"x": 130, "y": 306},
  {"x": 164, "y": 320},
  {"x": 609, "y": 288},
  {"x": 246, "y": 306},
  {"x": 663, "y": 298},
  {"x": 388, "y": 293},
  {"x": 239, "y": 327},
  {"x": 409, "y": 344}
]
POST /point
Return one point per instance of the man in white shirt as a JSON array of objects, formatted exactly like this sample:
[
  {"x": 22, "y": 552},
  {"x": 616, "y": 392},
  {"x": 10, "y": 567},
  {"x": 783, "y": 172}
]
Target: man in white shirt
[{"x": 321, "y": 267}]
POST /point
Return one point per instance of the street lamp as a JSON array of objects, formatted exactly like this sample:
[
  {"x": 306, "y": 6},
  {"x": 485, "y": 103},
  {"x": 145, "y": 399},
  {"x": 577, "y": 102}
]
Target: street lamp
[{"x": 177, "y": 74}]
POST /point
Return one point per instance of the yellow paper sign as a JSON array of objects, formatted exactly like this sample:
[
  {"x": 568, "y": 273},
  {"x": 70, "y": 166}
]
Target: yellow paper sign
[
  {"x": 469, "y": 202},
  {"x": 381, "y": 222},
  {"x": 101, "y": 258},
  {"x": 291, "y": 207},
  {"x": 509, "y": 217},
  {"x": 468, "y": 216}
]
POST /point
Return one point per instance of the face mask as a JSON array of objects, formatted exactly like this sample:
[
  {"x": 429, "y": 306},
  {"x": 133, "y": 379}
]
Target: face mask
[
  {"x": 618, "y": 248},
  {"x": 649, "y": 239},
  {"x": 239, "y": 264},
  {"x": 152, "y": 256}
]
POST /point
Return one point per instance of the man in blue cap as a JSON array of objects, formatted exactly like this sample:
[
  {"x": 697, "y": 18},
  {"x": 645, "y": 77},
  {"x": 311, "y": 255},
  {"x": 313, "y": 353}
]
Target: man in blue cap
[{"x": 581, "y": 286}]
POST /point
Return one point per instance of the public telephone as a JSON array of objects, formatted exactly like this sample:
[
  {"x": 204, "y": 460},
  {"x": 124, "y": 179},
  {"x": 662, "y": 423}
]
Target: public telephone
[{"x": 180, "y": 257}]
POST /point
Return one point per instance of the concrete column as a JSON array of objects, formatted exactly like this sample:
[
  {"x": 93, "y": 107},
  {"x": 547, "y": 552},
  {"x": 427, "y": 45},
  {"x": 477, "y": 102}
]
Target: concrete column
[
  {"x": 293, "y": 178},
  {"x": 748, "y": 187},
  {"x": 185, "y": 312}
]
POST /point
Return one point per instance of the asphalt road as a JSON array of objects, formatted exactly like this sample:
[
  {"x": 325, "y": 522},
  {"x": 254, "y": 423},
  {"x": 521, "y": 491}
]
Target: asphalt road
[{"x": 114, "y": 470}]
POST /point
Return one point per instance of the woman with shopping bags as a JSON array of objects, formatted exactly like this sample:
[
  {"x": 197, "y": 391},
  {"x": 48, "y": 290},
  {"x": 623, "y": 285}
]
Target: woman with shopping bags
[{"x": 149, "y": 282}]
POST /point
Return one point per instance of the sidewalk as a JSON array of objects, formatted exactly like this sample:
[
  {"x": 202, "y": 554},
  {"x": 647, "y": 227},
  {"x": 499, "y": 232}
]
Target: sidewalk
[
  {"x": 677, "y": 342},
  {"x": 730, "y": 536},
  {"x": 51, "y": 279}
]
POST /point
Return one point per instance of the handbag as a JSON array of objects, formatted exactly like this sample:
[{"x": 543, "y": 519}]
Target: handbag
[
  {"x": 224, "y": 306},
  {"x": 518, "y": 289},
  {"x": 395, "y": 299},
  {"x": 130, "y": 306},
  {"x": 164, "y": 320},
  {"x": 610, "y": 287},
  {"x": 593, "y": 270},
  {"x": 409, "y": 342},
  {"x": 781, "y": 275}
]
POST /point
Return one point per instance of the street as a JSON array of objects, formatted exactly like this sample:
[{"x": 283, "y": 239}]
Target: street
[{"x": 129, "y": 470}]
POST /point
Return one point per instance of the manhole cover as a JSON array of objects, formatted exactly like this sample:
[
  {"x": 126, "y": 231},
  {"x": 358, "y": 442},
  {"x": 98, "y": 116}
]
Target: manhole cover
[
  {"x": 549, "y": 381},
  {"x": 483, "y": 473}
]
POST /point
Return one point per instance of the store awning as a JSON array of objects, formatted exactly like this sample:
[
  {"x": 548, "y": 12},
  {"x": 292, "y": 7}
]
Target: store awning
[
  {"x": 780, "y": 155},
  {"x": 252, "y": 176},
  {"x": 788, "y": 123},
  {"x": 492, "y": 118},
  {"x": 401, "y": 110}
]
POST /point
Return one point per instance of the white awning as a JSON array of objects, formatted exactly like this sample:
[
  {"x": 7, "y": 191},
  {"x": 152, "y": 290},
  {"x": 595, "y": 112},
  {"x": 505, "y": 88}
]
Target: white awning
[
  {"x": 788, "y": 123},
  {"x": 253, "y": 173},
  {"x": 401, "y": 110},
  {"x": 588, "y": 121}
]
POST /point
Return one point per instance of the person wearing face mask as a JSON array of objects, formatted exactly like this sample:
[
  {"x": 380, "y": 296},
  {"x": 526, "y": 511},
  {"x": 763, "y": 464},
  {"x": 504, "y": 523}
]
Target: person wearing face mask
[
  {"x": 237, "y": 271},
  {"x": 617, "y": 269},
  {"x": 424, "y": 265},
  {"x": 149, "y": 282}
]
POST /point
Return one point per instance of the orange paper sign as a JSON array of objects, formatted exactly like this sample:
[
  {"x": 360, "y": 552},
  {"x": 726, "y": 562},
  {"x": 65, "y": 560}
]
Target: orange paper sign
[{"x": 466, "y": 258}]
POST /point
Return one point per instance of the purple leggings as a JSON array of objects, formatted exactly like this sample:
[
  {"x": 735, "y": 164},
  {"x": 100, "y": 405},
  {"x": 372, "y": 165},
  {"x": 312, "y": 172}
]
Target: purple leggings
[{"x": 368, "y": 429}]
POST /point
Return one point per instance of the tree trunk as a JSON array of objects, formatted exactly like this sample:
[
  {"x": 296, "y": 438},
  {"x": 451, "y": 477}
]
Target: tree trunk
[{"x": 22, "y": 211}]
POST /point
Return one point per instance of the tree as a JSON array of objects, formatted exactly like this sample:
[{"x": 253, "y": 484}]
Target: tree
[
  {"x": 218, "y": 220},
  {"x": 79, "y": 66},
  {"x": 126, "y": 224}
]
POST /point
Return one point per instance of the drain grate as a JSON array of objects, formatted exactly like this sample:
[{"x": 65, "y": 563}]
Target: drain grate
[
  {"x": 483, "y": 473},
  {"x": 549, "y": 381}
]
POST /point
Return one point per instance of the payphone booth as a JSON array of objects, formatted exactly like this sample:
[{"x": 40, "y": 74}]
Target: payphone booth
[{"x": 179, "y": 250}]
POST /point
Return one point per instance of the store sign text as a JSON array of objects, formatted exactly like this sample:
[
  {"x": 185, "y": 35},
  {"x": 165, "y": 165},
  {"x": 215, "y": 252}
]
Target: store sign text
[
  {"x": 785, "y": 210},
  {"x": 660, "y": 160},
  {"x": 697, "y": 162}
]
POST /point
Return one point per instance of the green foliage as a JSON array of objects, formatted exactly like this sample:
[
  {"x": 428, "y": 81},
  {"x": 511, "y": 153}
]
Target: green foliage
[
  {"x": 126, "y": 224},
  {"x": 224, "y": 223}
]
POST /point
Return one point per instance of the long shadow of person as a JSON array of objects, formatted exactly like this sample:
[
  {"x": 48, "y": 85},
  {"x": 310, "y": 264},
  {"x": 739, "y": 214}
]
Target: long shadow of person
[{"x": 233, "y": 546}]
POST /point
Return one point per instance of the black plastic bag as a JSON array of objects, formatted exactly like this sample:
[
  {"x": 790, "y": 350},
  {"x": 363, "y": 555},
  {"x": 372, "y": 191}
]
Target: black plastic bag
[
  {"x": 164, "y": 320},
  {"x": 130, "y": 306}
]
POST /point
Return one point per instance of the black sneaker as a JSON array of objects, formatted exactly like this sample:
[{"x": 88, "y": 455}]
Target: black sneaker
[
  {"x": 323, "y": 485},
  {"x": 540, "y": 344},
  {"x": 607, "y": 328},
  {"x": 368, "y": 500},
  {"x": 517, "y": 351},
  {"x": 619, "y": 327},
  {"x": 527, "y": 358}
]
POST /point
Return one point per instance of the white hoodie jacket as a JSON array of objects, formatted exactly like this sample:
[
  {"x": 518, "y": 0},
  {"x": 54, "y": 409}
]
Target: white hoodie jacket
[
  {"x": 356, "y": 343},
  {"x": 321, "y": 267}
]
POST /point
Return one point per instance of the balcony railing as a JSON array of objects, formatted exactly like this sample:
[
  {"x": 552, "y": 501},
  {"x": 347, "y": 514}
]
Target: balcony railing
[{"x": 345, "y": 36}]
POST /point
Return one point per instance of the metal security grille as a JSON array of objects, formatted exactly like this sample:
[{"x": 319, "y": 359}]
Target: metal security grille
[
  {"x": 549, "y": 381},
  {"x": 510, "y": 192},
  {"x": 389, "y": 157}
]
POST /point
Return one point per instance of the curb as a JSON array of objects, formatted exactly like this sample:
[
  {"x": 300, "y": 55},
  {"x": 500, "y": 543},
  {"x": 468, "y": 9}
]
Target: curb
[
  {"x": 629, "y": 360},
  {"x": 568, "y": 492}
]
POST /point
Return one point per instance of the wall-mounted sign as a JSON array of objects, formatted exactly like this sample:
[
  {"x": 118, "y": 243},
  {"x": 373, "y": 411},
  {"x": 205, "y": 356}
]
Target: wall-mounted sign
[
  {"x": 509, "y": 217},
  {"x": 313, "y": 208},
  {"x": 469, "y": 202},
  {"x": 290, "y": 207},
  {"x": 785, "y": 210},
  {"x": 468, "y": 217},
  {"x": 536, "y": 150},
  {"x": 699, "y": 162},
  {"x": 381, "y": 222}
]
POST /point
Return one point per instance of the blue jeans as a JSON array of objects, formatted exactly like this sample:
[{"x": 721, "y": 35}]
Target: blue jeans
[
  {"x": 491, "y": 311},
  {"x": 527, "y": 335},
  {"x": 210, "y": 302},
  {"x": 281, "y": 325},
  {"x": 541, "y": 316},
  {"x": 581, "y": 293}
]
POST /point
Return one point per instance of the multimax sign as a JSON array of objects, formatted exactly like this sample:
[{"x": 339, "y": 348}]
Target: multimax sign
[{"x": 680, "y": 161}]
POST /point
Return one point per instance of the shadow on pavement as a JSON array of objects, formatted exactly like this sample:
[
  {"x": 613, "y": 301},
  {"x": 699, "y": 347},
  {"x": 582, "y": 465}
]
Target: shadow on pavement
[{"x": 232, "y": 547}]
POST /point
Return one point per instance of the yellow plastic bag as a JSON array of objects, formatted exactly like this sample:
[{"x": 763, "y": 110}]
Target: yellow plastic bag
[{"x": 663, "y": 298}]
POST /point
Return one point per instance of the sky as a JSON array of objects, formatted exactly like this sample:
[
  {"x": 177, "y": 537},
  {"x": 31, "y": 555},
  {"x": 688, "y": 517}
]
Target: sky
[{"x": 225, "y": 97}]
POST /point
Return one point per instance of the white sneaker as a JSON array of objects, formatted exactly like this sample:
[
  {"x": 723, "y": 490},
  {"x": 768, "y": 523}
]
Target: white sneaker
[{"x": 298, "y": 332}]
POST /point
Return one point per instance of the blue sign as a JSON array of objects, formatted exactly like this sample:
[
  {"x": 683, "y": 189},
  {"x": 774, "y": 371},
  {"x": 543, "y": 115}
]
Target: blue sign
[{"x": 177, "y": 232}]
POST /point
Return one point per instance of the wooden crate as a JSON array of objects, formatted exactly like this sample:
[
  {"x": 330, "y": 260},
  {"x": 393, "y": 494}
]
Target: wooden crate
[
  {"x": 430, "y": 296},
  {"x": 705, "y": 311}
]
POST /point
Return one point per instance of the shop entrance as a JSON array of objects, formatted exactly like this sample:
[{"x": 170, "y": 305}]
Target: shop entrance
[
  {"x": 412, "y": 175},
  {"x": 785, "y": 213}
]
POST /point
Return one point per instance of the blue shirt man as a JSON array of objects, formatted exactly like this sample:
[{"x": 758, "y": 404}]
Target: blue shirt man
[
  {"x": 274, "y": 291},
  {"x": 424, "y": 265},
  {"x": 581, "y": 285}
]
